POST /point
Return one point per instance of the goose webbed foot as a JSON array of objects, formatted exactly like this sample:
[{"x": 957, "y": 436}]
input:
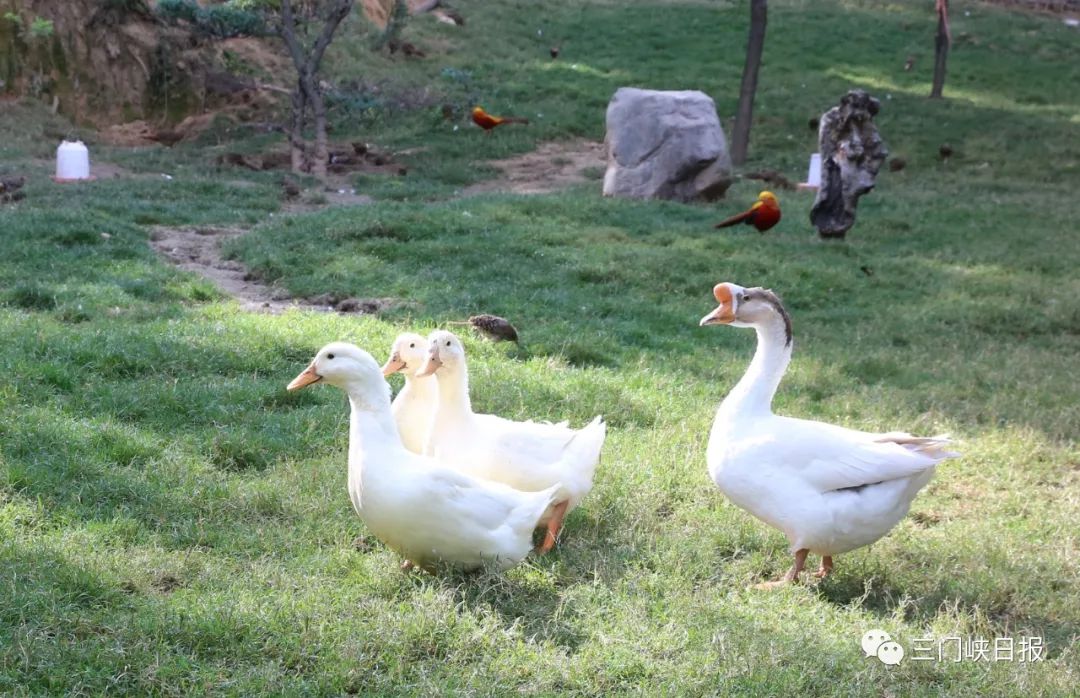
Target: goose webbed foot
[
  {"x": 792, "y": 576},
  {"x": 551, "y": 535},
  {"x": 826, "y": 567}
]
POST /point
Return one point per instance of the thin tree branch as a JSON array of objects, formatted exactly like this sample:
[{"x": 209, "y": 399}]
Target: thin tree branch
[
  {"x": 287, "y": 30},
  {"x": 338, "y": 12}
]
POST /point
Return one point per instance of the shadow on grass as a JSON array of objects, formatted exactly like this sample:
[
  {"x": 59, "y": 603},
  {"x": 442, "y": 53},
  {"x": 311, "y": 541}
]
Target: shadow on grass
[{"x": 990, "y": 598}]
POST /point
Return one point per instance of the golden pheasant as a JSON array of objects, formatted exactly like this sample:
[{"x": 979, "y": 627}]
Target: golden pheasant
[
  {"x": 488, "y": 121},
  {"x": 764, "y": 214}
]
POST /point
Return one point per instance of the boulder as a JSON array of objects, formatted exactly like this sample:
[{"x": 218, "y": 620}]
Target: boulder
[{"x": 665, "y": 145}]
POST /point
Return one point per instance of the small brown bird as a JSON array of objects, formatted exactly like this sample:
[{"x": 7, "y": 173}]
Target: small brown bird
[
  {"x": 407, "y": 48},
  {"x": 554, "y": 52},
  {"x": 494, "y": 328},
  {"x": 11, "y": 183},
  {"x": 772, "y": 178},
  {"x": 166, "y": 138},
  {"x": 289, "y": 188},
  {"x": 945, "y": 151},
  {"x": 11, "y": 189},
  {"x": 909, "y": 63}
]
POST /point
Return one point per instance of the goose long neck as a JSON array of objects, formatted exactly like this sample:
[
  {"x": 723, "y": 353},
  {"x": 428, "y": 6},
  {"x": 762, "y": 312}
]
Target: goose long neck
[
  {"x": 754, "y": 392},
  {"x": 454, "y": 390}
]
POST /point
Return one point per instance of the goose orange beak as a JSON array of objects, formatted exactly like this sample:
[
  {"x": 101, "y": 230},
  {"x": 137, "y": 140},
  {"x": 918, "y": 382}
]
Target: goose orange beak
[
  {"x": 432, "y": 364},
  {"x": 306, "y": 377},
  {"x": 393, "y": 364},
  {"x": 725, "y": 312}
]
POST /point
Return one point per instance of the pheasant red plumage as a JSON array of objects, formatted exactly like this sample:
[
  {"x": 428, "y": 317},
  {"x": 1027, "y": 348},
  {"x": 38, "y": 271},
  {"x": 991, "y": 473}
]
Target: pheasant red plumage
[
  {"x": 489, "y": 121},
  {"x": 764, "y": 214}
]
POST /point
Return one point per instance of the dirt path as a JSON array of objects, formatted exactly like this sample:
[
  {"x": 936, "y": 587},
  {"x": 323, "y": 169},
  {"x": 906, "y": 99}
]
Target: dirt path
[
  {"x": 551, "y": 167},
  {"x": 198, "y": 249}
]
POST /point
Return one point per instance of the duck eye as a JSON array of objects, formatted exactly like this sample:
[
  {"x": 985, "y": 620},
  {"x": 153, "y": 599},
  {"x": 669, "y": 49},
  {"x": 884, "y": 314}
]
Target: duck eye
[
  {"x": 744, "y": 298},
  {"x": 413, "y": 345},
  {"x": 329, "y": 356},
  {"x": 448, "y": 342}
]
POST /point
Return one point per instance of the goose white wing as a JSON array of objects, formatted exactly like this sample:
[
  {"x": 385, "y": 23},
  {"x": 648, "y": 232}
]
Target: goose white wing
[
  {"x": 485, "y": 503},
  {"x": 828, "y": 457},
  {"x": 527, "y": 442}
]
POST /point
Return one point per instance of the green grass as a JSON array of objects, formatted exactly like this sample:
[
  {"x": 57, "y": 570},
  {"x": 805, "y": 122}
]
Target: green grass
[{"x": 173, "y": 522}]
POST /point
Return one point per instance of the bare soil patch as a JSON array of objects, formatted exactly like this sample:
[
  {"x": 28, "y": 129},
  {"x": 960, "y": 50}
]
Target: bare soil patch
[
  {"x": 549, "y": 168},
  {"x": 198, "y": 249},
  {"x": 355, "y": 157}
]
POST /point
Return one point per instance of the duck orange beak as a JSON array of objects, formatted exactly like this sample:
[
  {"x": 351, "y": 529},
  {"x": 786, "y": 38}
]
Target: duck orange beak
[
  {"x": 432, "y": 364},
  {"x": 306, "y": 377},
  {"x": 725, "y": 312},
  {"x": 393, "y": 364}
]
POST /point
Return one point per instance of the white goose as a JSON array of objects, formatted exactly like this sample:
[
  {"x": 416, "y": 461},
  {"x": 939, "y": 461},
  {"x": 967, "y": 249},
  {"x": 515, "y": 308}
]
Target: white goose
[
  {"x": 414, "y": 406},
  {"x": 525, "y": 455},
  {"x": 424, "y": 510},
  {"x": 828, "y": 488}
]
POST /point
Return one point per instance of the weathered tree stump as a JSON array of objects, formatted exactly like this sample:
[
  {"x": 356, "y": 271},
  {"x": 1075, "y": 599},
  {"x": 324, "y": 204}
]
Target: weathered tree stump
[{"x": 852, "y": 152}]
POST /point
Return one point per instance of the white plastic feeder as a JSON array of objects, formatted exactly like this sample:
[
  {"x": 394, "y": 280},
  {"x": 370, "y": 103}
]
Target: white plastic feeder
[
  {"x": 813, "y": 175},
  {"x": 72, "y": 162}
]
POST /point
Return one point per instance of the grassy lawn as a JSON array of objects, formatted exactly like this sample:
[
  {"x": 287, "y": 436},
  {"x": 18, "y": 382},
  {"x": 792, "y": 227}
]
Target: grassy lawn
[{"x": 173, "y": 522}]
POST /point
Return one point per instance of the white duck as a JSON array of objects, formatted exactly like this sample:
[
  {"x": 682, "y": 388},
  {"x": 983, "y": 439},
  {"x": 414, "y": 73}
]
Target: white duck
[
  {"x": 418, "y": 506},
  {"x": 828, "y": 488},
  {"x": 414, "y": 406},
  {"x": 525, "y": 455}
]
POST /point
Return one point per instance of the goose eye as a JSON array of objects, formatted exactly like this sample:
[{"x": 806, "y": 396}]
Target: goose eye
[
  {"x": 413, "y": 345},
  {"x": 329, "y": 356},
  {"x": 744, "y": 298},
  {"x": 448, "y": 342}
]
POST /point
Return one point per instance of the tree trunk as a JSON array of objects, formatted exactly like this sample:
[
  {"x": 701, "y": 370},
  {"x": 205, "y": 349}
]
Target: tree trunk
[
  {"x": 296, "y": 133},
  {"x": 740, "y": 135},
  {"x": 941, "y": 49},
  {"x": 308, "y": 92},
  {"x": 322, "y": 151}
]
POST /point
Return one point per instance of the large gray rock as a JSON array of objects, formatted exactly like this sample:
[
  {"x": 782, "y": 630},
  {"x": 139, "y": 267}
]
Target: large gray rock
[{"x": 665, "y": 145}]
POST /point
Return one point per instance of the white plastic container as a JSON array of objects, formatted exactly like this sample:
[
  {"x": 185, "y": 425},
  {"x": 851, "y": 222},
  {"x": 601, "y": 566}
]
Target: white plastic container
[
  {"x": 72, "y": 161},
  {"x": 813, "y": 176}
]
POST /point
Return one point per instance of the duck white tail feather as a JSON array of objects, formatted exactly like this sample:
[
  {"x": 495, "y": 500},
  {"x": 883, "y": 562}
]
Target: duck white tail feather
[{"x": 584, "y": 447}]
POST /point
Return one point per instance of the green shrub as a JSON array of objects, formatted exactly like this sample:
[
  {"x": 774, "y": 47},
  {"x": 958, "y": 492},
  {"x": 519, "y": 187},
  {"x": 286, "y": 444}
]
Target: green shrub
[{"x": 222, "y": 21}]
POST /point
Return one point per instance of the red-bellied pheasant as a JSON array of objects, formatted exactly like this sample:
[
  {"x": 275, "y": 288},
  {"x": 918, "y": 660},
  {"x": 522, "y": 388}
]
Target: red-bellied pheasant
[
  {"x": 764, "y": 214},
  {"x": 488, "y": 121}
]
